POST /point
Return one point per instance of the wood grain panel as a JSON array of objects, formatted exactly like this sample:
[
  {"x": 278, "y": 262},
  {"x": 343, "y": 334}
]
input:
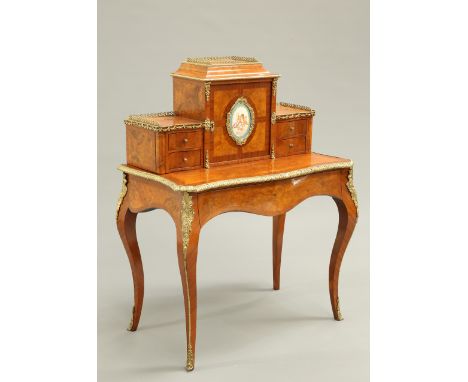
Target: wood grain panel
[
  {"x": 258, "y": 142},
  {"x": 141, "y": 151},
  {"x": 189, "y": 98},
  {"x": 259, "y": 95},
  {"x": 223, "y": 148}
]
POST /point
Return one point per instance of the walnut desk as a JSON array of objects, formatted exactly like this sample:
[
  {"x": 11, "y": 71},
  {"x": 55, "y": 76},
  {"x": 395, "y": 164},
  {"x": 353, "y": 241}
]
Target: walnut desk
[{"x": 269, "y": 187}]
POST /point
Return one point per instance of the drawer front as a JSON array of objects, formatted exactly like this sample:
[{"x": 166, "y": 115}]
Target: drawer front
[
  {"x": 182, "y": 160},
  {"x": 289, "y": 129},
  {"x": 291, "y": 146},
  {"x": 185, "y": 140}
]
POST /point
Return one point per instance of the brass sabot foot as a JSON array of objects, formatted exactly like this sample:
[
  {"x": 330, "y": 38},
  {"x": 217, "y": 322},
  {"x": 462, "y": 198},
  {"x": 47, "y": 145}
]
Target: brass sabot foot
[
  {"x": 338, "y": 310},
  {"x": 189, "y": 365}
]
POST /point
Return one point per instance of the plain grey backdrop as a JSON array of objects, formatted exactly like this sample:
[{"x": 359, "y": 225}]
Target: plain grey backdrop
[{"x": 246, "y": 331}]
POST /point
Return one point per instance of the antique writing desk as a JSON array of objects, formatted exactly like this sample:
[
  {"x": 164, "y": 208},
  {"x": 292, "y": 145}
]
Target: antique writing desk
[{"x": 227, "y": 146}]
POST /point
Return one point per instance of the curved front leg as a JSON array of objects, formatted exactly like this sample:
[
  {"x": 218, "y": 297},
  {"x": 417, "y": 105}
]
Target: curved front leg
[
  {"x": 347, "y": 209},
  {"x": 126, "y": 221},
  {"x": 188, "y": 230}
]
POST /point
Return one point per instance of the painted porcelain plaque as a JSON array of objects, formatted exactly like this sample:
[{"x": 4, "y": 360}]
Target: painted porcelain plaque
[{"x": 240, "y": 121}]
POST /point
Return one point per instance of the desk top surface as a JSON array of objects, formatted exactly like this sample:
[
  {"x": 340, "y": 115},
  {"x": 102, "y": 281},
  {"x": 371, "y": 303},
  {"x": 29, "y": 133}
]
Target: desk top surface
[{"x": 199, "y": 180}]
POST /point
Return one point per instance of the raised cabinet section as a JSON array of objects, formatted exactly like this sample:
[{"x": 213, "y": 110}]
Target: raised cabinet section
[
  {"x": 291, "y": 137},
  {"x": 164, "y": 142},
  {"x": 293, "y": 129}
]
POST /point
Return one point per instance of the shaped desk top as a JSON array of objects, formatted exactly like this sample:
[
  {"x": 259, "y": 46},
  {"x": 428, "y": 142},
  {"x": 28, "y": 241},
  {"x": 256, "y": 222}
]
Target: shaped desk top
[{"x": 199, "y": 180}]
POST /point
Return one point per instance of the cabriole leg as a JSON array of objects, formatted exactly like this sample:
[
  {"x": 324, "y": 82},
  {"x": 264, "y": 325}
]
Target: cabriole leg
[
  {"x": 188, "y": 231},
  {"x": 347, "y": 220},
  {"x": 126, "y": 221}
]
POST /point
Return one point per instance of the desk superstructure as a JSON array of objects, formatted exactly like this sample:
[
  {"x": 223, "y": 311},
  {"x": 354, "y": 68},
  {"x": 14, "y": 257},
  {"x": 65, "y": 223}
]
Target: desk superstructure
[{"x": 224, "y": 112}]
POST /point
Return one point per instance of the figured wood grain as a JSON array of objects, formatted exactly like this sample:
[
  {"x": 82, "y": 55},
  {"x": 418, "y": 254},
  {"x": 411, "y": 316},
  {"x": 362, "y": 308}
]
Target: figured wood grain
[
  {"x": 222, "y": 99},
  {"x": 189, "y": 98},
  {"x": 222, "y": 72},
  {"x": 265, "y": 167},
  {"x": 141, "y": 148}
]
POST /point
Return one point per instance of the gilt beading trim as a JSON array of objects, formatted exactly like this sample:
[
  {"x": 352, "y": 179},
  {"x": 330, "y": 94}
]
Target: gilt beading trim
[
  {"x": 139, "y": 117},
  {"x": 209, "y": 125},
  {"x": 123, "y": 192},
  {"x": 282, "y": 117},
  {"x": 221, "y": 60},
  {"x": 160, "y": 114},
  {"x": 273, "y": 118},
  {"x": 141, "y": 120},
  {"x": 240, "y": 141},
  {"x": 308, "y": 112},
  {"x": 187, "y": 215},
  {"x": 236, "y": 181},
  {"x": 352, "y": 190},
  {"x": 274, "y": 85},
  {"x": 207, "y": 160},
  {"x": 272, "y": 152},
  {"x": 294, "y": 106},
  {"x": 189, "y": 366},
  {"x": 207, "y": 90},
  {"x": 231, "y": 78}
]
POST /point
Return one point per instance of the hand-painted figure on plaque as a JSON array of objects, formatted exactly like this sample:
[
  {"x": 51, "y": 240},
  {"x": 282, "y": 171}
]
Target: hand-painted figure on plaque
[{"x": 240, "y": 121}]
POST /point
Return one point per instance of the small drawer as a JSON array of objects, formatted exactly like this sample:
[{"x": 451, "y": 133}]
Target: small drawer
[
  {"x": 181, "y": 160},
  {"x": 290, "y": 146},
  {"x": 291, "y": 128},
  {"x": 185, "y": 140}
]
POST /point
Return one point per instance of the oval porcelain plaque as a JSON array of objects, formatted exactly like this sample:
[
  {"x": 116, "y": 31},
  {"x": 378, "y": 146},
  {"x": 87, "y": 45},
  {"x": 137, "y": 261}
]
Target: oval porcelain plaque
[{"x": 240, "y": 121}]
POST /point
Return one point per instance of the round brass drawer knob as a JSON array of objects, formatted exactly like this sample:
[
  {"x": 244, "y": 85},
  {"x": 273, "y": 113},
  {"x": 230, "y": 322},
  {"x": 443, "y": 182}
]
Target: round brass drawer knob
[
  {"x": 185, "y": 159},
  {"x": 291, "y": 145},
  {"x": 291, "y": 128},
  {"x": 185, "y": 140}
]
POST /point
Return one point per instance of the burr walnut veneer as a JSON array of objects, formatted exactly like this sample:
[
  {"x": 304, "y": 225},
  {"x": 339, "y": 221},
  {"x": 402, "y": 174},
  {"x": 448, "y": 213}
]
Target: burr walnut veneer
[{"x": 227, "y": 146}]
